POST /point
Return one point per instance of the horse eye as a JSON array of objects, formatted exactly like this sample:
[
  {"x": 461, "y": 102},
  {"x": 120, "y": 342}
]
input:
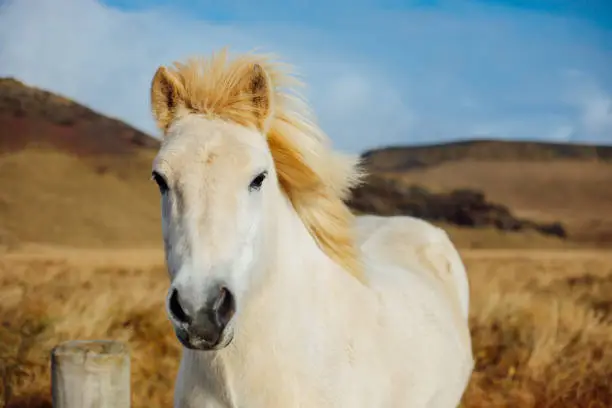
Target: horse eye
[
  {"x": 257, "y": 181},
  {"x": 161, "y": 182}
]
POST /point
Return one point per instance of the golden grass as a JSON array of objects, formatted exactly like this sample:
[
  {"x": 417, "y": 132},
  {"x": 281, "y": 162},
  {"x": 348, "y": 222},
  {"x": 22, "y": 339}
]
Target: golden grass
[{"x": 541, "y": 323}]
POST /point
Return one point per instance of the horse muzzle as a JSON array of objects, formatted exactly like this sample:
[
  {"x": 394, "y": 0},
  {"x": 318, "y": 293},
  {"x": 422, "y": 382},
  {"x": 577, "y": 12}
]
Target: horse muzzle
[{"x": 206, "y": 327}]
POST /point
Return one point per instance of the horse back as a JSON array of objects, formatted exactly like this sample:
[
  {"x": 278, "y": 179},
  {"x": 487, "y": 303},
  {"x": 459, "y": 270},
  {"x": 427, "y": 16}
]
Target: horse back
[{"x": 417, "y": 245}]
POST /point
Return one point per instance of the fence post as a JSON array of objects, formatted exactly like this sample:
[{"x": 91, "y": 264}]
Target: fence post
[{"x": 90, "y": 374}]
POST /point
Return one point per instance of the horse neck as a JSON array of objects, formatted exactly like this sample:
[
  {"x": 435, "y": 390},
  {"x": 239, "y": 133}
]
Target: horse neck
[
  {"x": 302, "y": 293},
  {"x": 298, "y": 274}
]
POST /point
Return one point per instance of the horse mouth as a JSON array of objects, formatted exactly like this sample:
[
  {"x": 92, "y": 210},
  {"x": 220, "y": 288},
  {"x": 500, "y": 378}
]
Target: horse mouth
[{"x": 197, "y": 343}]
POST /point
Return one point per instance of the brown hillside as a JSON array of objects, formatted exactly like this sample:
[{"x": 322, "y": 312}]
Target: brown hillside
[
  {"x": 385, "y": 195},
  {"x": 571, "y": 184},
  {"x": 70, "y": 175},
  {"x": 74, "y": 177},
  {"x": 401, "y": 158},
  {"x": 33, "y": 117}
]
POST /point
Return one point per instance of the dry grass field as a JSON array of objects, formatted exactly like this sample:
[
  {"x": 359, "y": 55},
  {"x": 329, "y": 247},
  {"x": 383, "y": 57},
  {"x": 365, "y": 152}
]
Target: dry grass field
[
  {"x": 76, "y": 184},
  {"x": 541, "y": 322}
]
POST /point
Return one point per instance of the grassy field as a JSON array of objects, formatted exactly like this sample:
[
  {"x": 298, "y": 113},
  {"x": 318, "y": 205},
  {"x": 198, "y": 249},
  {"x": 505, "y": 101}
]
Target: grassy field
[{"x": 541, "y": 323}]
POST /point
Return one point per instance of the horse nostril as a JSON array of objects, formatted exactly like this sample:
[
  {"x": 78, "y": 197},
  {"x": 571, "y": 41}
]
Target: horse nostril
[
  {"x": 224, "y": 307},
  {"x": 176, "y": 309}
]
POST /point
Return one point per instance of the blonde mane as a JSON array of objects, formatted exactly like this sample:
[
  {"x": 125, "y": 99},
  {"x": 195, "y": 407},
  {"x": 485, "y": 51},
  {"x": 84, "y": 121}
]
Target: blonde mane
[{"x": 315, "y": 178}]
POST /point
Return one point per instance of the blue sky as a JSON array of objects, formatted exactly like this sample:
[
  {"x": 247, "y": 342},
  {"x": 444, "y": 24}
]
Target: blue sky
[{"x": 379, "y": 72}]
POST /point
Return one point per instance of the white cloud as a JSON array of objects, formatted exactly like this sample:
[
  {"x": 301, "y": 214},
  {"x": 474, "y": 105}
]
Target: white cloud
[
  {"x": 374, "y": 79},
  {"x": 105, "y": 58},
  {"x": 593, "y": 103},
  {"x": 564, "y": 133},
  {"x": 597, "y": 116}
]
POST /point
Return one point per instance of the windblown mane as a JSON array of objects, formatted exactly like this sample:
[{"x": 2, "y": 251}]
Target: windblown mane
[{"x": 315, "y": 178}]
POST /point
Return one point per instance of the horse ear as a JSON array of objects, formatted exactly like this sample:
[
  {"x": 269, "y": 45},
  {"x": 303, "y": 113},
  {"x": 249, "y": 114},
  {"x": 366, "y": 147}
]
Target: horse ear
[
  {"x": 256, "y": 84},
  {"x": 167, "y": 96}
]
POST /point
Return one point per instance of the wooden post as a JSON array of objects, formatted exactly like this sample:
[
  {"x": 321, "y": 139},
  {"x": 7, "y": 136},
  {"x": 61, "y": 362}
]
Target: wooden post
[{"x": 90, "y": 374}]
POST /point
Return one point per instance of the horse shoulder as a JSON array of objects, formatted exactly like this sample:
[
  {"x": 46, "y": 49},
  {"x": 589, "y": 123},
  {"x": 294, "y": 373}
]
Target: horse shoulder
[
  {"x": 420, "y": 249},
  {"x": 416, "y": 245}
]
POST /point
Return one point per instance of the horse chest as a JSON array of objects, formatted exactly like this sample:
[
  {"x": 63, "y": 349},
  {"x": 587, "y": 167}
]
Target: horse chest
[
  {"x": 306, "y": 377},
  {"x": 277, "y": 379}
]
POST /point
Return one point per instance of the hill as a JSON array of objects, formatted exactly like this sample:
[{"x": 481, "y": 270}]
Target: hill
[
  {"x": 388, "y": 196},
  {"x": 33, "y": 117},
  {"x": 70, "y": 175},
  {"x": 402, "y": 158},
  {"x": 543, "y": 182}
]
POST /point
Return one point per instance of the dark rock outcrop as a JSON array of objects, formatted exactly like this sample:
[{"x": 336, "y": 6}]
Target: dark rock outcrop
[{"x": 387, "y": 196}]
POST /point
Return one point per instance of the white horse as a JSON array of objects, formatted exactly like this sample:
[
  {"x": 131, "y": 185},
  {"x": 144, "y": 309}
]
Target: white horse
[{"x": 279, "y": 298}]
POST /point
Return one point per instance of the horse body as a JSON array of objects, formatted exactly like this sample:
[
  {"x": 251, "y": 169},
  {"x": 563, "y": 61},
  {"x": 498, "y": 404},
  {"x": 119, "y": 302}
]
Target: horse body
[
  {"x": 401, "y": 341},
  {"x": 279, "y": 295}
]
